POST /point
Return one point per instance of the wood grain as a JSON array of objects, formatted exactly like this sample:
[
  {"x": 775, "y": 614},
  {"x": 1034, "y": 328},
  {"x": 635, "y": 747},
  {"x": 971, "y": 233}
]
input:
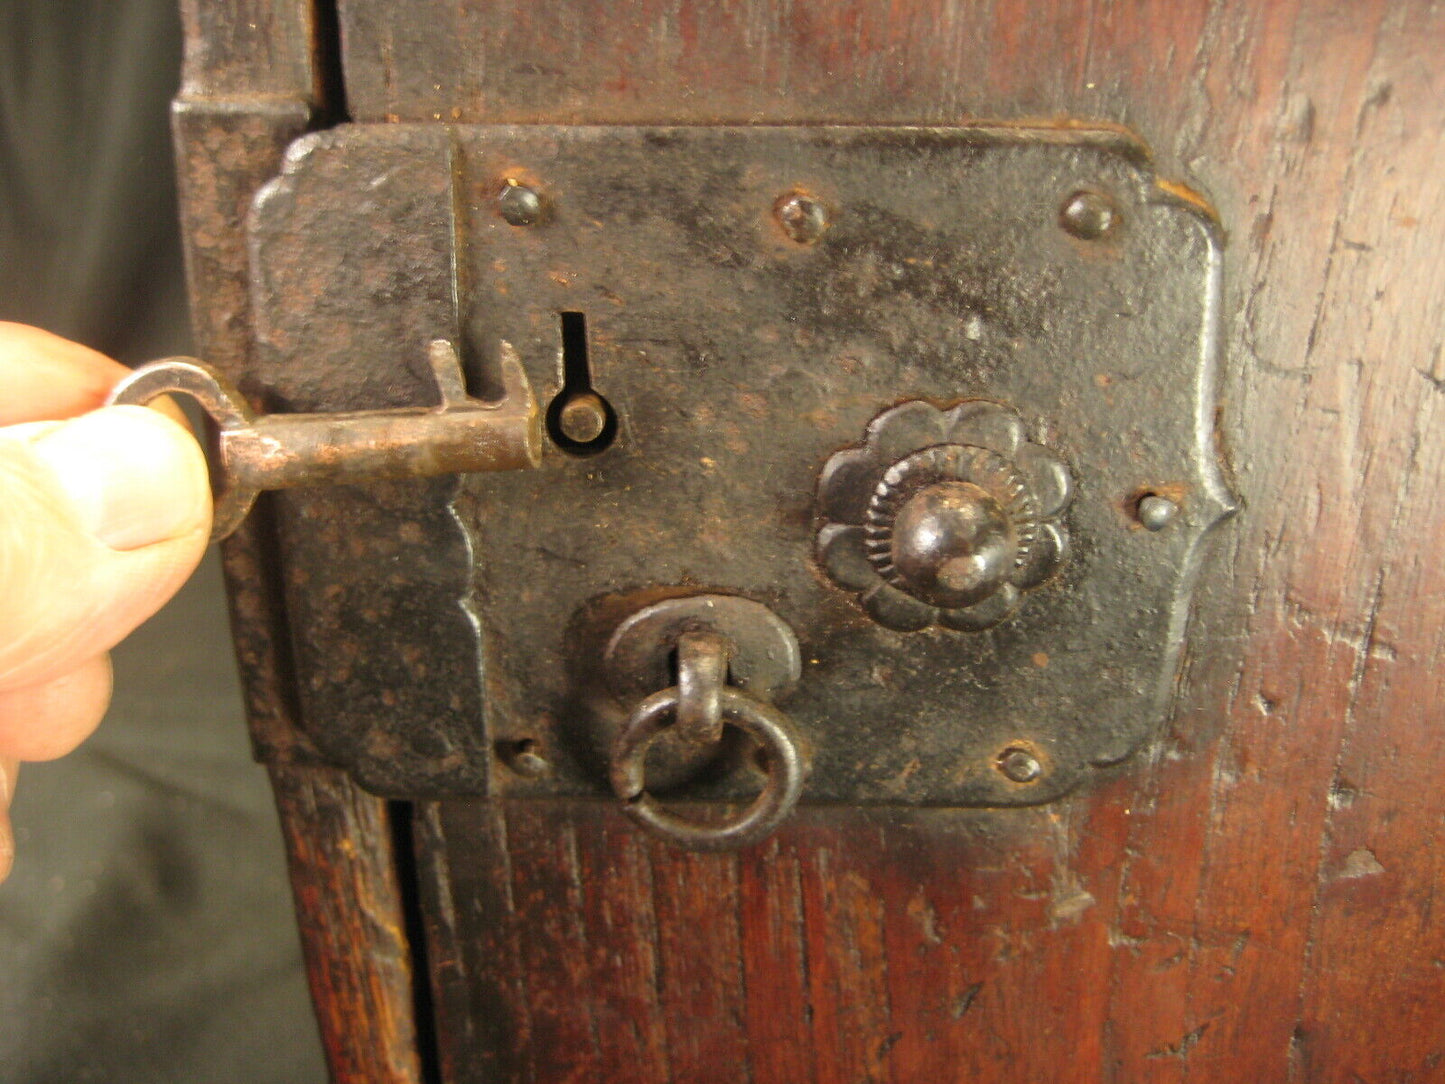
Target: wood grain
[
  {"x": 349, "y": 911},
  {"x": 1254, "y": 902},
  {"x": 249, "y": 88}
]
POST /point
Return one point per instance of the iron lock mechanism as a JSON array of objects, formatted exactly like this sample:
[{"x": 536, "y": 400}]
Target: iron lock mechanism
[{"x": 896, "y": 494}]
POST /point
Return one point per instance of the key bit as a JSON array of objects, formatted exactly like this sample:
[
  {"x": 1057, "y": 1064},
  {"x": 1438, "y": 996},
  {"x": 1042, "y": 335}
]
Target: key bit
[{"x": 460, "y": 435}]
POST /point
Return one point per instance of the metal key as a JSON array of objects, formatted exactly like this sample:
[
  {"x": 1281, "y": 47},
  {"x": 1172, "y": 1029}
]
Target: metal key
[{"x": 282, "y": 451}]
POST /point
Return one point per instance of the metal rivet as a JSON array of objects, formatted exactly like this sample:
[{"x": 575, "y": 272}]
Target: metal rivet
[
  {"x": 1019, "y": 765},
  {"x": 1156, "y": 512},
  {"x": 802, "y": 217},
  {"x": 519, "y": 204},
  {"x": 524, "y": 757},
  {"x": 1089, "y": 215},
  {"x": 583, "y": 417}
]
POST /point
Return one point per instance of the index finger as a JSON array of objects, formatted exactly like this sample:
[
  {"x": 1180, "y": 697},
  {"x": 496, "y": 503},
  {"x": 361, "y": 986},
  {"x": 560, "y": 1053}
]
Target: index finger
[{"x": 44, "y": 377}]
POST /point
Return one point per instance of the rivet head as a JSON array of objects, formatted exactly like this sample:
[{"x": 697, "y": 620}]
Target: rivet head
[
  {"x": 802, "y": 217},
  {"x": 1156, "y": 512},
  {"x": 524, "y": 757},
  {"x": 519, "y": 204},
  {"x": 1019, "y": 764},
  {"x": 1089, "y": 215}
]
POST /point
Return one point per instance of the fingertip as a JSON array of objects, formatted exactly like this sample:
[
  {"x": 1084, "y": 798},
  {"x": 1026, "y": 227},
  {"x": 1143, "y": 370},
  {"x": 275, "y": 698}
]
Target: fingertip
[
  {"x": 9, "y": 770},
  {"x": 105, "y": 516},
  {"x": 134, "y": 476},
  {"x": 45, "y": 376},
  {"x": 49, "y": 719},
  {"x": 7, "y": 846}
]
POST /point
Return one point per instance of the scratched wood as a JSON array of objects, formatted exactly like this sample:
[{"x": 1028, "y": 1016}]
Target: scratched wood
[
  {"x": 250, "y": 85},
  {"x": 349, "y": 913},
  {"x": 1254, "y": 901}
]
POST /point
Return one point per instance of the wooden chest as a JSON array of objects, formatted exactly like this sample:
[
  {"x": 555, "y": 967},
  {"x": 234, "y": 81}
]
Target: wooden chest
[{"x": 1246, "y": 896}]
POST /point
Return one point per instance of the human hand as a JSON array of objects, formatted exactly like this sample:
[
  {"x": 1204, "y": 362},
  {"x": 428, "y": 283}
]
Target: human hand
[{"x": 102, "y": 517}]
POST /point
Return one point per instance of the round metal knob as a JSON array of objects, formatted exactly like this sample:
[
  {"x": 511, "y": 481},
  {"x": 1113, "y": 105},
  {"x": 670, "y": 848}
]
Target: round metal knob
[
  {"x": 953, "y": 544},
  {"x": 943, "y": 516}
]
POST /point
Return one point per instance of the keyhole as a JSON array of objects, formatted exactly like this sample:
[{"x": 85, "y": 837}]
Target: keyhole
[{"x": 579, "y": 420}]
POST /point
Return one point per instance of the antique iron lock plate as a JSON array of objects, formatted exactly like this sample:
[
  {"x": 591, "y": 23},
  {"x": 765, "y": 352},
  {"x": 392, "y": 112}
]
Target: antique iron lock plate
[{"x": 732, "y": 327}]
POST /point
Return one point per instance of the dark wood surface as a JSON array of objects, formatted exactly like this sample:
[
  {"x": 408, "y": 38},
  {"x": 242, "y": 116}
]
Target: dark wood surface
[
  {"x": 1254, "y": 902},
  {"x": 344, "y": 876},
  {"x": 251, "y": 85}
]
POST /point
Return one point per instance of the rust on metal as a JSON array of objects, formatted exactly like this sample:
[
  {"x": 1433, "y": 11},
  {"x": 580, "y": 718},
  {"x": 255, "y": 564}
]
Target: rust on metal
[
  {"x": 730, "y": 656},
  {"x": 702, "y": 671},
  {"x": 1014, "y": 386},
  {"x": 459, "y": 435},
  {"x": 787, "y": 768}
]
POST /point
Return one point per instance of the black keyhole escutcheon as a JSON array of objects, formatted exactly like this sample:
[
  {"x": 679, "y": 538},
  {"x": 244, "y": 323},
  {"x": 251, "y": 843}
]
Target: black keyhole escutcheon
[{"x": 579, "y": 420}]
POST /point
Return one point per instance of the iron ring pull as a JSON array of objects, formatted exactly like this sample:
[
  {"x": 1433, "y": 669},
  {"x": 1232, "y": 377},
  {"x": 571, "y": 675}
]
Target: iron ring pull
[
  {"x": 280, "y": 451},
  {"x": 221, "y": 403},
  {"x": 786, "y": 765}
]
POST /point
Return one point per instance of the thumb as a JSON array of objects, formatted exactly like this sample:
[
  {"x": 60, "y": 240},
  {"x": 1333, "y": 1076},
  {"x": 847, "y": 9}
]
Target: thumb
[{"x": 102, "y": 518}]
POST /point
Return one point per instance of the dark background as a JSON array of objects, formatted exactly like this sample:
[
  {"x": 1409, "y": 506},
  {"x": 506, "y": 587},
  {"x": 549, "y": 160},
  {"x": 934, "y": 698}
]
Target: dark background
[{"x": 146, "y": 933}]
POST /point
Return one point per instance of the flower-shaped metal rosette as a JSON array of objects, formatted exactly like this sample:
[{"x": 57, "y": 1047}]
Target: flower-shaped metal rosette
[{"x": 943, "y": 516}]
